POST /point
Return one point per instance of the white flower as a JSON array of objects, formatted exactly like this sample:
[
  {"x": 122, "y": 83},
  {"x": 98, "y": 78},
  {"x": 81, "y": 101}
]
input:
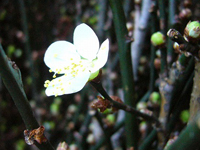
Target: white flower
[{"x": 76, "y": 63}]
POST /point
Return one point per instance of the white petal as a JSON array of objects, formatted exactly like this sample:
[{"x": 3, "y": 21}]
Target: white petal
[
  {"x": 67, "y": 85},
  {"x": 60, "y": 54},
  {"x": 102, "y": 56},
  {"x": 86, "y": 41}
]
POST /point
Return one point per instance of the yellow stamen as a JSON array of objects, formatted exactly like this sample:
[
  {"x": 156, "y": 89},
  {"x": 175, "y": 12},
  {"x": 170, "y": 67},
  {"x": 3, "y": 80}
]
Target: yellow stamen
[{"x": 47, "y": 81}]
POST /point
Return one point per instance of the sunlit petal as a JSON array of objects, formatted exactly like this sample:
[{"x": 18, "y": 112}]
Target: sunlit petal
[
  {"x": 102, "y": 56},
  {"x": 60, "y": 54},
  {"x": 86, "y": 41},
  {"x": 67, "y": 85}
]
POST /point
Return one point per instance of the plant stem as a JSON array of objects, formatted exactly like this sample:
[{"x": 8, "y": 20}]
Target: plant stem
[
  {"x": 148, "y": 140},
  {"x": 11, "y": 77},
  {"x": 28, "y": 49},
  {"x": 189, "y": 137},
  {"x": 195, "y": 96},
  {"x": 106, "y": 131},
  {"x": 103, "y": 140},
  {"x": 126, "y": 71}
]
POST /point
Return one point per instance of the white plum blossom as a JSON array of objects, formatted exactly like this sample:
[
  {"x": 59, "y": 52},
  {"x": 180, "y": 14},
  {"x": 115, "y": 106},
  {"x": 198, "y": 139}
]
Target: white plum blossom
[{"x": 75, "y": 63}]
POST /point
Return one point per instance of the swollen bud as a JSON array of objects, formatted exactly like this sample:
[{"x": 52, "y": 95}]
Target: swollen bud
[
  {"x": 192, "y": 31},
  {"x": 155, "y": 98},
  {"x": 158, "y": 39}
]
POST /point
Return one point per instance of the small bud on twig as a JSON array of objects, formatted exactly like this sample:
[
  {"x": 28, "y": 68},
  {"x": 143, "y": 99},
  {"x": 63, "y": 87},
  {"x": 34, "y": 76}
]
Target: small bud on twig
[
  {"x": 192, "y": 31},
  {"x": 36, "y": 134},
  {"x": 158, "y": 39}
]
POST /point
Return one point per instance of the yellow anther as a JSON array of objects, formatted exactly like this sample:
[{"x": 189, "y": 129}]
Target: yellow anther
[
  {"x": 71, "y": 58},
  {"x": 62, "y": 89},
  {"x": 69, "y": 83},
  {"x": 66, "y": 68},
  {"x": 104, "y": 47},
  {"x": 46, "y": 85},
  {"x": 47, "y": 81},
  {"x": 59, "y": 80},
  {"x": 65, "y": 74},
  {"x": 50, "y": 70},
  {"x": 54, "y": 76},
  {"x": 53, "y": 85},
  {"x": 55, "y": 55}
]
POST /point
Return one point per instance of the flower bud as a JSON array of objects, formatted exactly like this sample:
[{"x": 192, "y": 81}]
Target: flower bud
[
  {"x": 185, "y": 116},
  {"x": 62, "y": 146},
  {"x": 185, "y": 14},
  {"x": 176, "y": 47},
  {"x": 73, "y": 147},
  {"x": 155, "y": 98},
  {"x": 111, "y": 118},
  {"x": 192, "y": 31},
  {"x": 141, "y": 105},
  {"x": 157, "y": 63},
  {"x": 158, "y": 39},
  {"x": 129, "y": 26},
  {"x": 90, "y": 139}
]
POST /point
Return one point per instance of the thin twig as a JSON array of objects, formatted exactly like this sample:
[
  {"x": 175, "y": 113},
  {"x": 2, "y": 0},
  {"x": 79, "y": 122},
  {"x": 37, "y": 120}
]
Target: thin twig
[{"x": 100, "y": 89}]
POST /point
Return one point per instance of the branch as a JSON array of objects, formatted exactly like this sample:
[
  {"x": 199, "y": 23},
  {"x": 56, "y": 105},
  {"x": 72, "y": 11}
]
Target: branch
[
  {"x": 100, "y": 89},
  {"x": 11, "y": 77}
]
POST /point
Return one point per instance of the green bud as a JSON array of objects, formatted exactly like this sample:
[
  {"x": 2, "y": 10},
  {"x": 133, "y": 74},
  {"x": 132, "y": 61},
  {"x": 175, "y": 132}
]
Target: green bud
[
  {"x": 192, "y": 31},
  {"x": 184, "y": 116},
  {"x": 54, "y": 108},
  {"x": 158, "y": 39},
  {"x": 111, "y": 118},
  {"x": 155, "y": 98},
  {"x": 107, "y": 111},
  {"x": 141, "y": 105}
]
